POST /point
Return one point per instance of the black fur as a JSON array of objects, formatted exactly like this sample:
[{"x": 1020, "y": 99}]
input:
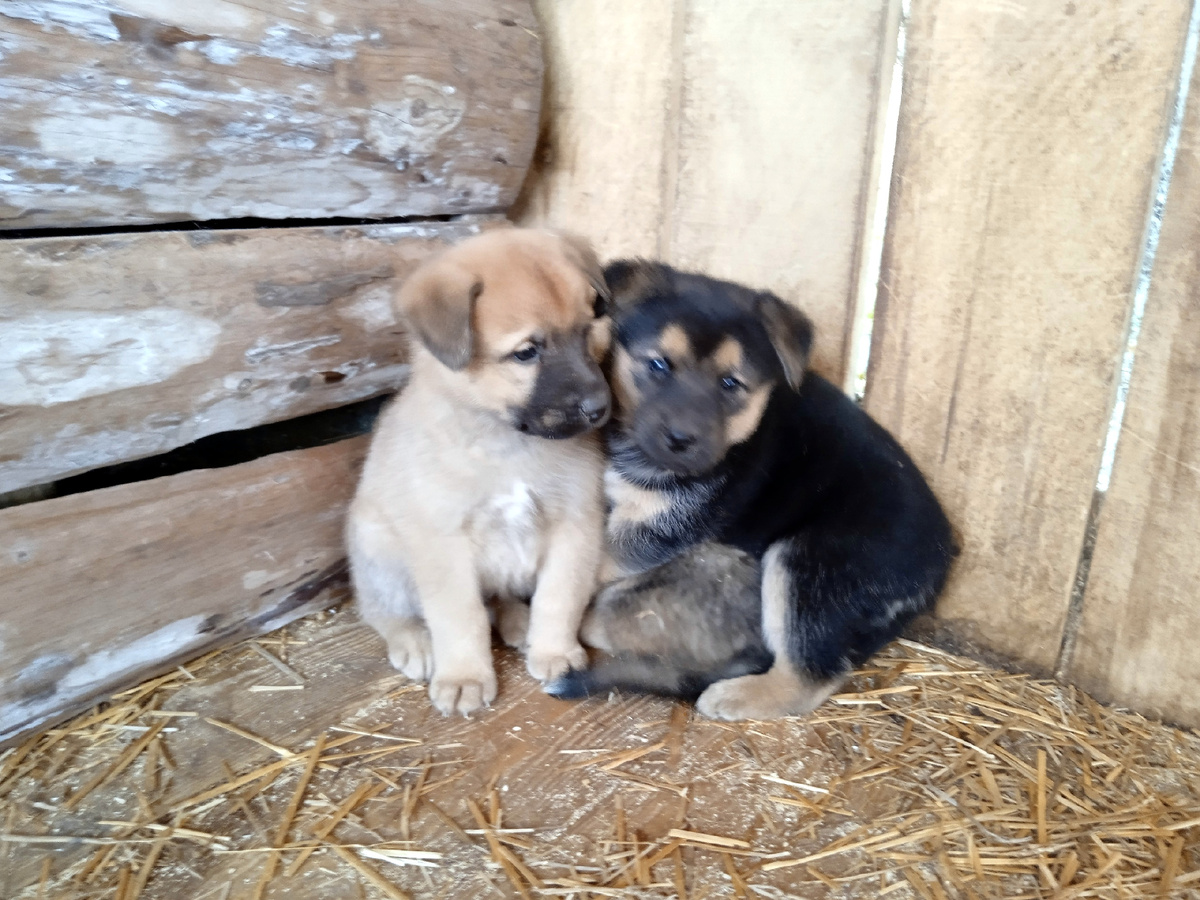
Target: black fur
[{"x": 864, "y": 541}]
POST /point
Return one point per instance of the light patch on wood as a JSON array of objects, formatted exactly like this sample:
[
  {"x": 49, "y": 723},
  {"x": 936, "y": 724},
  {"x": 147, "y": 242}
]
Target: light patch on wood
[
  {"x": 92, "y": 133},
  {"x": 58, "y": 356},
  {"x": 372, "y": 310},
  {"x": 96, "y": 670},
  {"x": 424, "y": 112},
  {"x": 744, "y": 422}
]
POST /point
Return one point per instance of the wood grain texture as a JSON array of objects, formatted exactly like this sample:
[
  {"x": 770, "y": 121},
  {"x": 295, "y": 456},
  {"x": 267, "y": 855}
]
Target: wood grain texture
[
  {"x": 608, "y": 127},
  {"x": 1136, "y": 643},
  {"x": 774, "y": 148},
  {"x": 122, "y": 346},
  {"x": 102, "y": 587},
  {"x": 138, "y": 111},
  {"x": 729, "y": 138},
  {"x": 1028, "y": 140}
]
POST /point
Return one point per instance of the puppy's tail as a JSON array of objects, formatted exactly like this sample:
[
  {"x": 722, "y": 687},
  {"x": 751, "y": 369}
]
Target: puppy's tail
[{"x": 645, "y": 674}]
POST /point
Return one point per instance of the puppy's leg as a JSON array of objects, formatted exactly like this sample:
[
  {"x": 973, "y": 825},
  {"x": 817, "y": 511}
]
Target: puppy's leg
[
  {"x": 785, "y": 689},
  {"x": 387, "y": 601},
  {"x": 512, "y": 621},
  {"x": 565, "y": 584},
  {"x": 464, "y": 678}
]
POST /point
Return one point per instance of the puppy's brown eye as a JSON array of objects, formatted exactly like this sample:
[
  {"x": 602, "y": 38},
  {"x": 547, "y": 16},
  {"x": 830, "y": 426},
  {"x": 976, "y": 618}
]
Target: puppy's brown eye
[
  {"x": 659, "y": 365},
  {"x": 526, "y": 354},
  {"x": 730, "y": 383},
  {"x": 599, "y": 306}
]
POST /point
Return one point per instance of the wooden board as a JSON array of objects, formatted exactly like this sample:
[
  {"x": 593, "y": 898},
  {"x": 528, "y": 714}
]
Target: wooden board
[
  {"x": 1136, "y": 644},
  {"x": 136, "y": 111},
  {"x": 608, "y": 127},
  {"x": 1027, "y": 148},
  {"x": 731, "y": 138},
  {"x": 123, "y": 346},
  {"x": 101, "y": 587},
  {"x": 774, "y": 148}
]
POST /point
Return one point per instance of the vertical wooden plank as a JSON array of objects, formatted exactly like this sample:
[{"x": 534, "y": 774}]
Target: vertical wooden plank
[
  {"x": 774, "y": 144},
  {"x": 729, "y": 138},
  {"x": 1136, "y": 644},
  {"x": 598, "y": 169},
  {"x": 1026, "y": 155}
]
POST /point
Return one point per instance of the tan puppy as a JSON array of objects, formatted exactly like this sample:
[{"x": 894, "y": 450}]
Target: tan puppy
[{"x": 463, "y": 498}]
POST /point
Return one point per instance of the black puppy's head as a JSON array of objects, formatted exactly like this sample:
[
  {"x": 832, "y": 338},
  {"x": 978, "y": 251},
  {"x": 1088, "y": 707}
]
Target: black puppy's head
[{"x": 695, "y": 360}]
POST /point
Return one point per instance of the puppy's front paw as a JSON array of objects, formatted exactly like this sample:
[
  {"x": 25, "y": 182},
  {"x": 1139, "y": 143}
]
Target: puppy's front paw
[
  {"x": 410, "y": 650},
  {"x": 462, "y": 692},
  {"x": 546, "y": 664}
]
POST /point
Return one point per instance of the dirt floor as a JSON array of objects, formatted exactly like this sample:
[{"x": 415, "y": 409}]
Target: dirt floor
[{"x": 299, "y": 765}]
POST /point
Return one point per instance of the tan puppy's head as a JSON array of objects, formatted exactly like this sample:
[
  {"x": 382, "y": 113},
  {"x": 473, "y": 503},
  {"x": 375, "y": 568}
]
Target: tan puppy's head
[{"x": 515, "y": 322}]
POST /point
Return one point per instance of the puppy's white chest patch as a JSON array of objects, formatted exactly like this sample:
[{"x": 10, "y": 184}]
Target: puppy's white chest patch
[{"x": 508, "y": 533}]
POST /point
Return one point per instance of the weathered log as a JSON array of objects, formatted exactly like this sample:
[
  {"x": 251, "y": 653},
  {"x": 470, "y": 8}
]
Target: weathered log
[
  {"x": 136, "y": 111},
  {"x": 103, "y": 587},
  {"x": 122, "y": 346}
]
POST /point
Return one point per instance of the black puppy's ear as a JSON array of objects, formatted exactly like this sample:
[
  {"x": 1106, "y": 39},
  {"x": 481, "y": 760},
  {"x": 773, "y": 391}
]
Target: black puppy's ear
[
  {"x": 633, "y": 280},
  {"x": 437, "y": 301},
  {"x": 579, "y": 251},
  {"x": 791, "y": 335}
]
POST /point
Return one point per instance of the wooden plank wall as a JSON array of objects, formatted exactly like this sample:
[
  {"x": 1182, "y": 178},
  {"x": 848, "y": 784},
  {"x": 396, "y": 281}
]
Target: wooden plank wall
[
  {"x": 143, "y": 111},
  {"x": 1026, "y": 159},
  {"x": 732, "y": 138},
  {"x": 120, "y": 345},
  {"x": 1141, "y": 613},
  {"x": 103, "y": 586},
  {"x": 125, "y": 345}
]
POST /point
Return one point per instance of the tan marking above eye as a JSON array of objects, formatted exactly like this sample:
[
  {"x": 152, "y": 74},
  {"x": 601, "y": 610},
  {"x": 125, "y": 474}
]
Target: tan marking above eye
[
  {"x": 728, "y": 356},
  {"x": 744, "y": 422},
  {"x": 624, "y": 388},
  {"x": 674, "y": 344}
]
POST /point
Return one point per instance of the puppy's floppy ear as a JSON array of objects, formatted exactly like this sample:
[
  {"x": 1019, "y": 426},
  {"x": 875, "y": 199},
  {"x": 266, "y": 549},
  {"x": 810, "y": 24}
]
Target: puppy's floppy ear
[
  {"x": 633, "y": 280},
  {"x": 791, "y": 334},
  {"x": 579, "y": 251},
  {"x": 437, "y": 301}
]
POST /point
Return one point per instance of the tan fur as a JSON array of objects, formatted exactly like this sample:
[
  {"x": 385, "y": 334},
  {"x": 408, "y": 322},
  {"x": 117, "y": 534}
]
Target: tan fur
[
  {"x": 455, "y": 505},
  {"x": 743, "y": 423},
  {"x": 781, "y": 690},
  {"x": 675, "y": 344},
  {"x": 631, "y": 503},
  {"x": 625, "y": 390},
  {"x": 728, "y": 356}
]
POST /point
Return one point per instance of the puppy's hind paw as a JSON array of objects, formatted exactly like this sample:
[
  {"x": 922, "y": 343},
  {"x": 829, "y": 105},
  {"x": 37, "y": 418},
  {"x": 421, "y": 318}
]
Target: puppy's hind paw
[
  {"x": 771, "y": 695},
  {"x": 410, "y": 650},
  {"x": 512, "y": 621},
  {"x": 547, "y": 665}
]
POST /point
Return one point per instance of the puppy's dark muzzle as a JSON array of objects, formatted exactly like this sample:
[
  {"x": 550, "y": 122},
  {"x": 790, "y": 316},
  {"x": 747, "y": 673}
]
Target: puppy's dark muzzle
[{"x": 595, "y": 409}]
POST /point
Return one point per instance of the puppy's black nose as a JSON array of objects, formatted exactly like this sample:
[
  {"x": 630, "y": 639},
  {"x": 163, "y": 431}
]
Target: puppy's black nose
[
  {"x": 679, "y": 441},
  {"x": 594, "y": 408}
]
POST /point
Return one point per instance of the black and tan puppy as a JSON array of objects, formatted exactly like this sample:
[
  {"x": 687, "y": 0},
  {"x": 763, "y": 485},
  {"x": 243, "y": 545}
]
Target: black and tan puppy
[
  {"x": 464, "y": 498},
  {"x": 770, "y": 534}
]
